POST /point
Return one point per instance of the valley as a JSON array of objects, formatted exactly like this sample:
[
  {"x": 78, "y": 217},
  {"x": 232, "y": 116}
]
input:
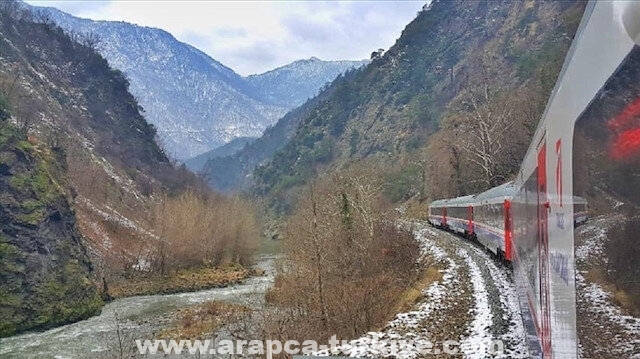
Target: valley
[{"x": 151, "y": 192}]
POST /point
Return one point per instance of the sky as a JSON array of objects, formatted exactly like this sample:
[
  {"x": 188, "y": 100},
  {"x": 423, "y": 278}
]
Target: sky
[{"x": 256, "y": 36}]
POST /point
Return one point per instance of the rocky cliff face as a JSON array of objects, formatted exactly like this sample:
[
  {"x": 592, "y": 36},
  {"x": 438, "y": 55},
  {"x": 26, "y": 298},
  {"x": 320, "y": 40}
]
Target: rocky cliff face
[
  {"x": 44, "y": 268},
  {"x": 65, "y": 95}
]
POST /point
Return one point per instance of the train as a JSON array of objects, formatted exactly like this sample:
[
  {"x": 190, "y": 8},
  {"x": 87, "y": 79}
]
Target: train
[
  {"x": 529, "y": 222},
  {"x": 487, "y": 219}
]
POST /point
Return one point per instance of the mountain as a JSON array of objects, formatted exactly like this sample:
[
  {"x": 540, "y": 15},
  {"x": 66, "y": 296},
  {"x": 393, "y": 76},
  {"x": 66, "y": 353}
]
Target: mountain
[
  {"x": 80, "y": 171},
  {"x": 195, "y": 164},
  {"x": 391, "y": 109},
  {"x": 293, "y": 84},
  {"x": 235, "y": 171},
  {"x": 195, "y": 102}
]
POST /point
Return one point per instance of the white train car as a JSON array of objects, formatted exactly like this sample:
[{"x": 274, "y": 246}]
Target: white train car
[
  {"x": 438, "y": 213},
  {"x": 492, "y": 217},
  {"x": 543, "y": 231},
  {"x": 460, "y": 215}
]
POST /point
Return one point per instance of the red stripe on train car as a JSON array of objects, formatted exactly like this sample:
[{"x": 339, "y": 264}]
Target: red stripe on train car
[
  {"x": 508, "y": 239},
  {"x": 470, "y": 230}
]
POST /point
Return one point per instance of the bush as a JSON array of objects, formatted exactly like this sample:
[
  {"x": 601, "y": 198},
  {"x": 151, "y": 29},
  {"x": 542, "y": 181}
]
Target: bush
[
  {"x": 346, "y": 261},
  {"x": 203, "y": 229}
]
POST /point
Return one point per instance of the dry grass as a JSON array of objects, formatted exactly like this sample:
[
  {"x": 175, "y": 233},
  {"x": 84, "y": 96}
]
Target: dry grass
[
  {"x": 624, "y": 300},
  {"x": 620, "y": 297},
  {"x": 203, "y": 320},
  {"x": 412, "y": 294},
  {"x": 186, "y": 280},
  {"x": 417, "y": 209}
]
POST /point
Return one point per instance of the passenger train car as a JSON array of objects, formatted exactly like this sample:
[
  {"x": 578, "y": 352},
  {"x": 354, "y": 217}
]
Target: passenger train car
[{"x": 530, "y": 221}]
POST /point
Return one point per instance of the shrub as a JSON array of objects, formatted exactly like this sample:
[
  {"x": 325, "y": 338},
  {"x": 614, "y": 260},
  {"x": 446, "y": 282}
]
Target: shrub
[{"x": 346, "y": 260}]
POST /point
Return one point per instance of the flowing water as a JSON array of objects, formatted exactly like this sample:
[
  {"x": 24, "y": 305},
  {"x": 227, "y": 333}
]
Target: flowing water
[{"x": 126, "y": 319}]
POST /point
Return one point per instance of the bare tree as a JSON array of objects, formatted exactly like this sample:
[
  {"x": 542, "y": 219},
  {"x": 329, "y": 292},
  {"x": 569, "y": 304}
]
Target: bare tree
[
  {"x": 491, "y": 122},
  {"x": 91, "y": 40},
  {"x": 345, "y": 259},
  {"x": 483, "y": 119}
]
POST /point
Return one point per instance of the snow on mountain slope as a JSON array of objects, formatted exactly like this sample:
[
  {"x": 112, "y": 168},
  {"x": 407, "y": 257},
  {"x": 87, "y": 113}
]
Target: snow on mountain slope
[
  {"x": 291, "y": 85},
  {"x": 196, "y": 102}
]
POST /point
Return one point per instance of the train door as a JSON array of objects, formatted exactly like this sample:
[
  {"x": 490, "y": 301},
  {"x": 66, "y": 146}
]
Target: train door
[{"x": 543, "y": 251}]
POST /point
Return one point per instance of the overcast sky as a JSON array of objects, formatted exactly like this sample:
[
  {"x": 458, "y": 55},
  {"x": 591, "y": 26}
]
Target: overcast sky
[{"x": 257, "y": 36}]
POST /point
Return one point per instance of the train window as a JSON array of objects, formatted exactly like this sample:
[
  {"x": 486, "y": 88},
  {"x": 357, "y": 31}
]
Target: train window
[
  {"x": 606, "y": 182},
  {"x": 606, "y": 147}
]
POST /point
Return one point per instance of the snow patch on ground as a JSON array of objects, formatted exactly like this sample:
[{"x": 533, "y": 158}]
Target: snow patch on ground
[
  {"x": 479, "y": 342},
  {"x": 596, "y": 300},
  {"x": 427, "y": 246},
  {"x": 99, "y": 231},
  {"x": 595, "y": 233},
  {"x": 514, "y": 338},
  {"x": 601, "y": 303},
  {"x": 409, "y": 333},
  {"x": 115, "y": 217}
]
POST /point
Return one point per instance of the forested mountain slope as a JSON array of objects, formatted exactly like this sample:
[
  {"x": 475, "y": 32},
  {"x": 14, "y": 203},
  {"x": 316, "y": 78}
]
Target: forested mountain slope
[
  {"x": 456, "y": 61},
  {"x": 235, "y": 172}
]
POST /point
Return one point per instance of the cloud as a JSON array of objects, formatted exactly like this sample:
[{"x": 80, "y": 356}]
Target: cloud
[{"x": 256, "y": 36}]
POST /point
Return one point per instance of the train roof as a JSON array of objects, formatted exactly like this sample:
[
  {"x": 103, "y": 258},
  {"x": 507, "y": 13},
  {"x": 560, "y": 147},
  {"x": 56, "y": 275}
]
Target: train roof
[
  {"x": 506, "y": 191},
  {"x": 462, "y": 201},
  {"x": 440, "y": 202}
]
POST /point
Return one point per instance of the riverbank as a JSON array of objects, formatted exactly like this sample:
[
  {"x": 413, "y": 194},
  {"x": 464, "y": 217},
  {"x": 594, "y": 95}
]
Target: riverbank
[
  {"x": 124, "y": 320},
  {"x": 202, "y": 320},
  {"x": 185, "y": 280}
]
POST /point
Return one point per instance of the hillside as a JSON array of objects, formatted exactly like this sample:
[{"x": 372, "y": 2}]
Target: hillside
[
  {"x": 196, "y": 103},
  {"x": 196, "y": 163},
  {"x": 235, "y": 172},
  {"x": 293, "y": 84},
  {"x": 64, "y": 95},
  {"x": 421, "y": 86}
]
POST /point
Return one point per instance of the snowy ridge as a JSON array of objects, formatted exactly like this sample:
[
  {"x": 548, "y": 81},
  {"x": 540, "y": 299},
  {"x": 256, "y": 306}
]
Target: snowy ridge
[{"x": 195, "y": 102}]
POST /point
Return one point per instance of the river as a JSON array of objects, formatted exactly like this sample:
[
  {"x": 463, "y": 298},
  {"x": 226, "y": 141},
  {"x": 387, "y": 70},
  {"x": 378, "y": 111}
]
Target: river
[{"x": 127, "y": 319}]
